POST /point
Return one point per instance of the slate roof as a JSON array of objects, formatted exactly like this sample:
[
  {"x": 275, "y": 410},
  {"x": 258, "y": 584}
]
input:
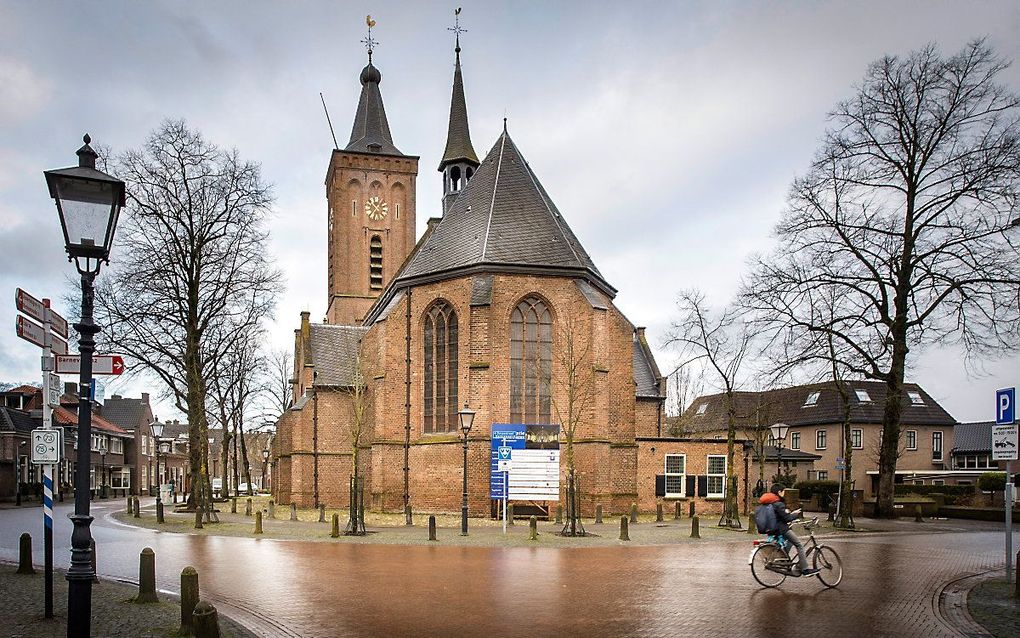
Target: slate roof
[
  {"x": 128, "y": 413},
  {"x": 17, "y": 421},
  {"x": 772, "y": 455},
  {"x": 502, "y": 221},
  {"x": 371, "y": 130},
  {"x": 646, "y": 372},
  {"x": 335, "y": 352},
  {"x": 786, "y": 405},
  {"x": 973, "y": 437},
  {"x": 458, "y": 137}
]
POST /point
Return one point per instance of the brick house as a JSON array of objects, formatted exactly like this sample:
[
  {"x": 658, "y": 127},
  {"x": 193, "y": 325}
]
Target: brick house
[
  {"x": 135, "y": 417},
  {"x": 481, "y": 311},
  {"x": 814, "y": 413},
  {"x": 972, "y": 452}
]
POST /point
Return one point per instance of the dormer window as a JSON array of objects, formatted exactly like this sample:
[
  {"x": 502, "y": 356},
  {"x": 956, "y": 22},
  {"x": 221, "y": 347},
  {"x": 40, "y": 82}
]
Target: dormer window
[
  {"x": 863, "y": 396},
  {"x": 702, "y": 408},
  {"x": 915, "y": 398},
  {"x": 812, "y": 399}
]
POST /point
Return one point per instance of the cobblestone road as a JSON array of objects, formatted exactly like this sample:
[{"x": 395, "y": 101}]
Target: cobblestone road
[{"x": 891, "y": 585}]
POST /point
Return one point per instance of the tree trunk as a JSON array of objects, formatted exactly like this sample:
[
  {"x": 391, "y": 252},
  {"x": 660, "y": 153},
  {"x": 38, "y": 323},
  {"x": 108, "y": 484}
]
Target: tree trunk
[
  {"x": 235, "y": 467},
  {"x": 890, "y": 440},
  {"x": 731, "y": 507},
  {"x": 244, "y": 457}
]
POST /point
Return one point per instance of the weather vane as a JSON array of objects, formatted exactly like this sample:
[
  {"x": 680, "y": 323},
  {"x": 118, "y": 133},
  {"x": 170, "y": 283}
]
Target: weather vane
[
  {"x": 368, "y": 41},
  {"x": 456, "y": 28}
]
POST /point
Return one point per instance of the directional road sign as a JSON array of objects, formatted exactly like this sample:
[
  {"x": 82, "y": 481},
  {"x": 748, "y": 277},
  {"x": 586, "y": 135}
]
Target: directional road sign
[
  {"x": 46, "y": 446},
  {"x": 57, "y": 323},
  {"x": 1005, "y": 405},
  {"x": 110, "y": 364},
  {"x": 30, "y": 305},
  {"x": 53, "y": 389},
  {"x": 30, "y": 331}
]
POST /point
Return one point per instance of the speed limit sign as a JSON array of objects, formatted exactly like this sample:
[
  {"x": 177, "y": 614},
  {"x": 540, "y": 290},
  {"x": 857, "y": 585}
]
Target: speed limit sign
[{"x": 46, "y": 446}]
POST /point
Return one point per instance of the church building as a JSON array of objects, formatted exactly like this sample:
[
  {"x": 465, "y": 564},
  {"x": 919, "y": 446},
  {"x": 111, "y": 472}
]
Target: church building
[{"x": 496, "y": 307}]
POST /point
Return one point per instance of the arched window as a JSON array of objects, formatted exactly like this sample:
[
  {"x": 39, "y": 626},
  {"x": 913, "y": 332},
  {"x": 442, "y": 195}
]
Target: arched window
[
  {"x": 375, "y": 263},
  {"x": 530, "y": 362},
  {"x": 455, "y": 179},
  {"x": 440, "y": 368}
]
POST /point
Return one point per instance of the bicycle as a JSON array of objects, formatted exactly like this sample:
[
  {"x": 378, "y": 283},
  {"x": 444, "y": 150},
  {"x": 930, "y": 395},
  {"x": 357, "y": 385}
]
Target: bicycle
[{"x": 771, "y": 562}]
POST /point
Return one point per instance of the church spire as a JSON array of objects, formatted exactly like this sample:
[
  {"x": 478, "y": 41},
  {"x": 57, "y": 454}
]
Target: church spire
[
  {"x": 371, "y": 131},
  {"x": 459, "y": 159}
]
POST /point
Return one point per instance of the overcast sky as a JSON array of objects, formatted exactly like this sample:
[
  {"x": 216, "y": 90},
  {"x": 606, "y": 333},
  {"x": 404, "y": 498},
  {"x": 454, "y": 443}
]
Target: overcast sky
[{"x": 667, "y": 133}]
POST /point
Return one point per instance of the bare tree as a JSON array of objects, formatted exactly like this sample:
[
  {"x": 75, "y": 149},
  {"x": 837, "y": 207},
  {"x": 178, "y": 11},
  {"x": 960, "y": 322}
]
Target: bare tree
[
  {"x": 360, "y": 404},
  {"x": 192, "y": 268},
  {"x": 278, "y": 382},
  {"x": 683, "y": 386},
  {"x": 721, "y": 341},
  {"x": 907, "y": 219}
]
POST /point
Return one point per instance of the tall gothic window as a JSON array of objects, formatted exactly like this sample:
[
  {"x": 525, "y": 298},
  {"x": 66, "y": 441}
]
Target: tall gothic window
[
  {"x": 441, "y": 368},
  {"x": 375, "y": 263},
  {"x": 530, "y": 362}
]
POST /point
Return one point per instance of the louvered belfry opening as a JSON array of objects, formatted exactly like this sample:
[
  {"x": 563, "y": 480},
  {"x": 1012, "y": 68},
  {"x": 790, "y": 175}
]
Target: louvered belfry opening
[
  {"x": 531, "y": 362},
  {"x": 376, "y": 263},
  {"x": 440, "y": 356}
]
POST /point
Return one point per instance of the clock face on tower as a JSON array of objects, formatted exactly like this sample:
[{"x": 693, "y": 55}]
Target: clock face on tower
[{"x": 376, "y": 208}]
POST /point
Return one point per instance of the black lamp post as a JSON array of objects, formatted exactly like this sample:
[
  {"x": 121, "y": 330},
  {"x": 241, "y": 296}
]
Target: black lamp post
[
  {"x": 265, "y": 459},
  {"x": 102, "y": 472},
  {"x": 157, "y": 433},
  {"x": 467, "y": 417},
  {"x": 17, "y": 473},
  {"x": 779, "y": 431},
  {"x": 88, "y": 202}
]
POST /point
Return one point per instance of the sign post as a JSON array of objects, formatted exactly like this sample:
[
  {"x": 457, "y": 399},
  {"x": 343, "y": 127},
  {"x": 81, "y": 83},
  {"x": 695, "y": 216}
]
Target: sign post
[{"x": 1004, "y": 448}]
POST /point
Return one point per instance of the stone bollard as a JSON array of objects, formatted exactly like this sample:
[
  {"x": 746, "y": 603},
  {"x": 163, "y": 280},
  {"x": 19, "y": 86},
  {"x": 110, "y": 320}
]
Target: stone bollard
[
  {"x": 598, "y": 514},
  {"x": 533, "y": 529},
  {"x": 408, "y": 519},
  {"x": 137, "y": 510},
  {"x": 95, "y": 558},
  {"x": 272, "y": 508},
  {"x": 633, "y": 512},
  {"x": 695, "y": 527},
  {"x": 322, "y": 513},
  {"x": 247, "y": 507},
  {"x": 198, "y": 518},
  {"x": 917, "y": 514},
  {"x": 690, "y": 510},
  {"x": 205, "y": 621},
  {"x": 559, "y": 514},
  {"x": 658, "y": 512},
  {"x": 189, "y": 598},
  {"x": 258, "y": 522},
  {"x": 160, "y": 518},
  {"x": 147, "y": 577},
  {"x": 130, "y": 506},
  {"x": 751, "y": 527},
  {"x": 336, "y": 526},
  {"x": 679, "y": 511},
  {"x": 624, "y": 529},
  {"x": 432, "y": 528},
  {"x": 233, "y": 505},
  {"x": 293, "y": 511},
  {"x": 25, "y": 555},
  {"x": 510, "y": 514}
]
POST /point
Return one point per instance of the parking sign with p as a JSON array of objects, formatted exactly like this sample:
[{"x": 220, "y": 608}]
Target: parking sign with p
[{"x": 1005, "y": 405}]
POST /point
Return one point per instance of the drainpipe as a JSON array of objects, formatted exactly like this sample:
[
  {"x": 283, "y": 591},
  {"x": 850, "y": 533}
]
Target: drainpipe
[
  {"x": 315, "y": 443},
  {"x": 407, "y": 411}
]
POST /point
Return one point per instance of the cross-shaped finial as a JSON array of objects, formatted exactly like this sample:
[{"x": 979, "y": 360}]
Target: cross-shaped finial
[
  {"x": 456, "y": 28},
  {"x": 368, "y": 41}
]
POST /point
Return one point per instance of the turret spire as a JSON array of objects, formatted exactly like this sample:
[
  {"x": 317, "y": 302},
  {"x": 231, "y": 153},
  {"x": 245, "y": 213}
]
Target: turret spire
[{"x": 459, "y": 159}]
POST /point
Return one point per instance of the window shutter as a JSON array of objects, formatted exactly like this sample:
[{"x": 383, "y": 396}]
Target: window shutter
[
  {"x": 660, "y": 485},
  {"x": 703, "y": 485},
  {"x": 690, "y": 491}
]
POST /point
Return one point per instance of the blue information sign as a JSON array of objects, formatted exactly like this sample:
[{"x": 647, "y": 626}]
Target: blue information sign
[
  {"x": 505, "y": 439},
  {"x": 1005, "y": 406}
]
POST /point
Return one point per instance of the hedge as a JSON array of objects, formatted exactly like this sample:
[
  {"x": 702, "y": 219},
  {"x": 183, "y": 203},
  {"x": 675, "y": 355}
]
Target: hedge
[
  {"x": 824, "y": 489},
  {"x": 992, "y": 481},
  {"x": 952, "y": 492}
]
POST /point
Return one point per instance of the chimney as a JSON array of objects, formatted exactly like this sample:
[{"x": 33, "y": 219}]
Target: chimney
[
  {"x": 640, "y": 334},
  {"x": 145, "y": 398},
  {"x": 306, "y": 338},
  {"x": 70, "y": 387},
  {"x": 431, "y": 224},
  {"x": 116, "y": 396}
]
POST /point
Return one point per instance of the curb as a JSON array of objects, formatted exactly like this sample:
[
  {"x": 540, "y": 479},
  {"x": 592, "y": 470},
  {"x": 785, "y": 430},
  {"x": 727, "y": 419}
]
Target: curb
[{"x": 949, "y": 604}]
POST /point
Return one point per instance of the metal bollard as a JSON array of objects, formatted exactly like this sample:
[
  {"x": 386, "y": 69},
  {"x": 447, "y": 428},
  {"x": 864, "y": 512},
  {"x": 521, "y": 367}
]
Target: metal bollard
[
  {"x": 233, "y": 505},
  {"x": 247, "y": 508},
  {"x": 322, "y": 513},
  {"x": 293, "y": 511},
  {"x": 695, "y": 527},
  {"x": 272, "y": 508},
  {"x": 598, "y": 514},
  {"x": 658, "y": 512},
  {"x": 147, "y": 577},
  {"x": 189, "y": 597},
  {"x": 159, "y": 513},
  {"x": 533, "y": 528},
  {"x": 25, "y": 555},
  {"x": 624, "y": 529},
  {"x": 131, "y": 503},
  {"x": 679, "y": 511},
  {"x": 335, "y": 533},
  {"x": 138, "y": 513},
  {"x": 205, "y": 621},
  {"x": 432, "y": 528},
  {"x": 258, "y": 522},
  {"x": 633, "y": 512}
]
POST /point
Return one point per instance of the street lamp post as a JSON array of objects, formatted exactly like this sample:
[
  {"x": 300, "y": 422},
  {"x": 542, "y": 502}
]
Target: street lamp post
[
  {"x": 779, "y": 431},
  {"x": 17, "y": 473},
  {"x": 88, "y": 203},
  {"x": 157, "y": 434},
  {"x": 265, "y": 459},
  {"x": 163, "y": 447},
  {"x": 102, "y": 472},
  {"x": 467, "y": 417}
]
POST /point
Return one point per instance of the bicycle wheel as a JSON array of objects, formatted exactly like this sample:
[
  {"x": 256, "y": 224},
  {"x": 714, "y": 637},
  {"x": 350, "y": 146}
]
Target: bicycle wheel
[
  {"x": 763, "y": 557},
  {"x": 829, "y": 566}
]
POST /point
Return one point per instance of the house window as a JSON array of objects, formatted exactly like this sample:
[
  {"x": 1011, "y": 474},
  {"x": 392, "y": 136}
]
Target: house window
[
  {"x": 794, "y": 440},
  {"x": 823, "y": 475},
  {"x": 120, "y": 477},
  {"x": 702, "y": 408},
  {"x": 812, "y": 399},
  {"x": 938, "y": 482},
  {"x": 911, "y": 439},
  {"x": 440, "y": 400},
  {"x": 915, "y": 398},
  {"x": 863, "y": 396},
  {"x": 375, "y": 263},
  {"x": 936, "y": 446},
  {"x": 116, "y": 446},
  {"x": 716, "y": 476},
  {"x": 820, "y": 439},
  {"x": 676, "y": 465},
  {"x": 530, "y": 362},
  {"x": 857, "y": 439}
]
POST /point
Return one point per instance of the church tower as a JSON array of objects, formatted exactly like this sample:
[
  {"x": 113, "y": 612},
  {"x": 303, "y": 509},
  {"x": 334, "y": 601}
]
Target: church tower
[
  {"x": 370, "y": 190},
  {"x": 459, "y": 159}
]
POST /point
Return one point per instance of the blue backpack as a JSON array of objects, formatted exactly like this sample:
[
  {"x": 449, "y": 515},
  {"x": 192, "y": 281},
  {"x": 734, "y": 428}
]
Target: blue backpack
[{"x": 765, "y": 519}]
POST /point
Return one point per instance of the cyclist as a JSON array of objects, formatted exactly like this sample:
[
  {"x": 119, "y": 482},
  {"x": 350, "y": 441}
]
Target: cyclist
[{"x": 783, "y": 518}]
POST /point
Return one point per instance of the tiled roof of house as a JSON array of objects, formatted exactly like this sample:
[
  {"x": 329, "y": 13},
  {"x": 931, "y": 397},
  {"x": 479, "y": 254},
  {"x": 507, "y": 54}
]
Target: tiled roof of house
[
  {"x": 335, "y": 353},
  {"x": 65, "y": 417},
  {"x": 973, "y": 437},
  {"x": 792, "y": 406},
  {"x": 128, "y": 413}
]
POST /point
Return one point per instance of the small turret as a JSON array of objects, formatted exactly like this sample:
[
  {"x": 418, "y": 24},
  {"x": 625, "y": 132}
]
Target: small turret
[{"x": 459, "y": 159}]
